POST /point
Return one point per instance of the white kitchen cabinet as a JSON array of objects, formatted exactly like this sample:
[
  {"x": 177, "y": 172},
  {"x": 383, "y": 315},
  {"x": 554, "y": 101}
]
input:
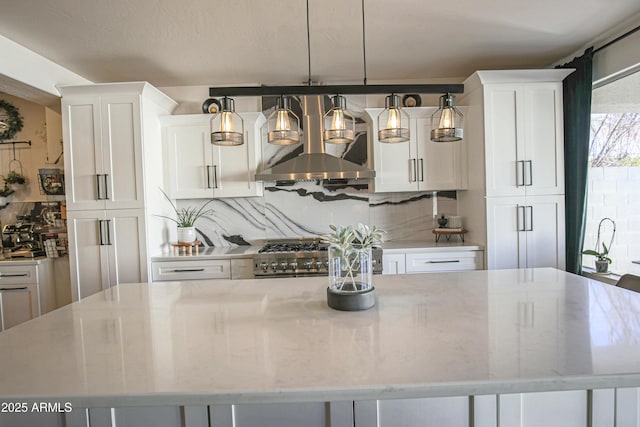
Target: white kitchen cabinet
[
  {"x": 27, "y": 290},
  {"x": 103, "y": 149},
  {"x": 524, "y": 139},
  {"x": 191, "y": 270},
  {"x": 525, "y": 232},
  {"x": 113, "y": 164},
  {"x": 414, "y": 261},
  {"x": 418, "y": 164},
  {"x": 429, "y": 262},
  {"x": 199, "y": 169},
  {"x": 109, "y": 249},
  {"x": 436, "y": 411},
  {"x": 553, "y": 409},
  {"x": 393, "y": 264},
  {"x": 515, "y": 142}
]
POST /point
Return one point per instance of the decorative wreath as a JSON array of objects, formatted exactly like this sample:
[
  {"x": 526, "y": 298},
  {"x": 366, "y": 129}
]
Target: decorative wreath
[{"x": 11, "y": 118}]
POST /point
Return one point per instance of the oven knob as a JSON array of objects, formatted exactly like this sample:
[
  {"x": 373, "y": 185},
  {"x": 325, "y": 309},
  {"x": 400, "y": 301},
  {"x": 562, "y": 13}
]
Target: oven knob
[
  {"x": 264, "y": 266},
  {"x": 283, "y": 266},
  {"x": 274, "y": 266},
  {"x": 318, "y": 265},
  {"x": 308, "y": 265},
  {"x": 374, "y": 261},
  {"x": 293, "y": 265}
]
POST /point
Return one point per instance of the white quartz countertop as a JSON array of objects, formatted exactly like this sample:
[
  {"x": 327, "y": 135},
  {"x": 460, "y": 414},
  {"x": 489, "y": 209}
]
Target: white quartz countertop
[
  {"x": 9, "y": 262},
  {"x": 275, "y": 340},
  {"x": 211, "y": 253}
]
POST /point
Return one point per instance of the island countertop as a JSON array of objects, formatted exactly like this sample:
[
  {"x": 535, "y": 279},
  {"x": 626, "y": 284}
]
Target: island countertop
[{"x": 275, "y": 340}]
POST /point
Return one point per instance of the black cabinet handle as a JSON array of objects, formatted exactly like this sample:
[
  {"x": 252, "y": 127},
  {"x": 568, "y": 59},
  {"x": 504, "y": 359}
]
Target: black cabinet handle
[
  {"x": 187, "y": 270},
  {"x": 215, "y": 176},
  {"x": 208, "y": 167},
  {"x": 421, "y": 170},
  {"x": 13, "y": 289},
  {"x": 13, "y": 275},
  {"x": 444, "y": 262},
  {"x": 530, "y": 163}
]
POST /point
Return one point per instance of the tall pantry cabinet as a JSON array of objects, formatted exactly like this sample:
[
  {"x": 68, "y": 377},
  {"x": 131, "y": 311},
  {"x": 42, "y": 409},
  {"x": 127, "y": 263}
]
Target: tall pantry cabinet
[
  {"x": 515, "y": 201},
  {"x": 113, "y": 164}
]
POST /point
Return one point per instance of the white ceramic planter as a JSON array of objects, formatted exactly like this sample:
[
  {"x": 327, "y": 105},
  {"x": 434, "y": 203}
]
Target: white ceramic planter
[{"x": 186, "y": 234}]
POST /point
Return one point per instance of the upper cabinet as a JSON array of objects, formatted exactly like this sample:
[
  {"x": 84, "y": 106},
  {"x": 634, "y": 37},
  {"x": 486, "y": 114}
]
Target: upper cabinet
[
  {"x": 103, "y": 137},
  {"x": 523, "y": 138},
  {"x": 418, "y": 164},
  {"x": 198, "y": 169}
]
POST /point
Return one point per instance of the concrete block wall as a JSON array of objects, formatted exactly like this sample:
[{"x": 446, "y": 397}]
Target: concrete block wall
[{"x": 614, "y": 192}]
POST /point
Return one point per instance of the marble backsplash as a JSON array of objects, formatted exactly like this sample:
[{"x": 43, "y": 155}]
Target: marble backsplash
[{"x": 306, "y": 209}]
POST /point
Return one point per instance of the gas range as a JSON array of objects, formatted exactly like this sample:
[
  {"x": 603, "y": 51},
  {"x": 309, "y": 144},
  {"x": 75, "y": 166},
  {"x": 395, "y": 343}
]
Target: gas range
[{"x": 298, "y": 258}]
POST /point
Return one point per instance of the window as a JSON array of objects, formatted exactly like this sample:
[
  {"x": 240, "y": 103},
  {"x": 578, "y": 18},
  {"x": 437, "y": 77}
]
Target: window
[{"x": 614, "y": 173}]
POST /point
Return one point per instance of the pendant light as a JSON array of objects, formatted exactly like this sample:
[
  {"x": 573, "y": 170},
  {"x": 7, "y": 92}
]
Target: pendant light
[
  {"x": 447, "y": 121},
  {"x": 224, "y": 125},
  {"x": 283, "y": 126},
  {"x": 393, "y": 122},
  {"x": 339, "y": 124}
]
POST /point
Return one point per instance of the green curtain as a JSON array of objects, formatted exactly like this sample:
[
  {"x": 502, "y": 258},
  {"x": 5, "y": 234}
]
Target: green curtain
[{"x": 577, "y": 88}]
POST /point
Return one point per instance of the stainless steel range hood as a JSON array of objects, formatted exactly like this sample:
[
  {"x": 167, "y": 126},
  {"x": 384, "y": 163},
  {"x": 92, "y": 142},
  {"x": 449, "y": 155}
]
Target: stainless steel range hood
[{"x": 314, "y": 163}]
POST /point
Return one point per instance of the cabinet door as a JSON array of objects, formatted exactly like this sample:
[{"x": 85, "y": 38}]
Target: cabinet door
[
  {"x": 126, "y": 246},
  {"x": 506, "y": 241},
  {"x": 393, "y": 264},
  {"x": 122, "y": 182},
  {"x": 192, "y": 172},
  {"x": 545, "y": 233},
  {"x": 82, "y": 152},
  {"x": 18, "y": 303},
  {"x": 544, "y": 139},
  {"x": 396, "y": 164},
  {"x": 236, "y": 166},
  {"x": 504, "y": 140},
  {"x": 88, "y": 258},
  {"x": 439, "y": 163},
  {"x": 436, "y": 411}
]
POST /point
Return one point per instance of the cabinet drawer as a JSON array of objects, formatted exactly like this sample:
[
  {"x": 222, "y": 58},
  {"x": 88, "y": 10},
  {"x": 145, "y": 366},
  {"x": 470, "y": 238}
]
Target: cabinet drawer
[
  {"x": 191, "y": 270},
  {"x": 443, "y": 261},
  {"x": 15, "y": 275}
]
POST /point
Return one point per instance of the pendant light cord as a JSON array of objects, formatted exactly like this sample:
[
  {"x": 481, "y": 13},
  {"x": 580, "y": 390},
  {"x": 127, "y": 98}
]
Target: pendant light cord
[
  {"x": 364, "y": 46},
  {"x": 308, "y": 46}
]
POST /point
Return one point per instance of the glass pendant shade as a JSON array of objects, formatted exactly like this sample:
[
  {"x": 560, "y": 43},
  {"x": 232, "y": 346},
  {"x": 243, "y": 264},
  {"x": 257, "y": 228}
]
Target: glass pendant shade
[
  {"x": 339, "y": 124},
  {"x": 393, "y": 122},
  {"x": 447, "y": 121},
  {"x": 227, "y": 127},
  {"x": 283, "y": 126}
]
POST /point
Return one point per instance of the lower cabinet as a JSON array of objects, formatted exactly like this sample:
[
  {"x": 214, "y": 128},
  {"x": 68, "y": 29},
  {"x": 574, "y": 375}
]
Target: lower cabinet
[
  {"x": 429, "y": 412},
  {"x": 432, "y": 261},
  {"x": 27, "y": 290},
  {"x": 202, "y": 269},
  {"x": 525, "y": 232},
  {"x": 106, "y": 248}
]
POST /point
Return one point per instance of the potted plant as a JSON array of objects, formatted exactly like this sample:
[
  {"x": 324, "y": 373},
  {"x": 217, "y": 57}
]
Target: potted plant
[
  {"x": 350, "y": 269},
  {"x": 15, "y": 180},
  {"x": 186, "y": 218},
  {"x": 602, "y": 258}
]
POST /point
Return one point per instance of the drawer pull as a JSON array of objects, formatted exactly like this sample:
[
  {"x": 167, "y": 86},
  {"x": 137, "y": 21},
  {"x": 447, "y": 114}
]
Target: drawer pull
[
  {"x": 443, "y": 262},
  {"x": 13, "y": 289},
  {"x": 187, "y": 270},
  {"x": 14, "y": 275}
]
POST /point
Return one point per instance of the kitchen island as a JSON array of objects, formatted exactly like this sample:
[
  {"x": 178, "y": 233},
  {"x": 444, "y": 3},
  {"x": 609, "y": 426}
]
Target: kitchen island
[{"x": 489, "y": 346}]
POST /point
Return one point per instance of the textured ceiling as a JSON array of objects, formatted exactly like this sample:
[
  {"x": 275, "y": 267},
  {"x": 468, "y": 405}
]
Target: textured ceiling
[{"x": 215, "y": 42}]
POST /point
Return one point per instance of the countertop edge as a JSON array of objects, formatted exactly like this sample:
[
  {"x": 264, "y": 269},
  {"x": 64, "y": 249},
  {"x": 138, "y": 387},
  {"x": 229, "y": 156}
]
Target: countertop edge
[{"x": 389, "y": 391}]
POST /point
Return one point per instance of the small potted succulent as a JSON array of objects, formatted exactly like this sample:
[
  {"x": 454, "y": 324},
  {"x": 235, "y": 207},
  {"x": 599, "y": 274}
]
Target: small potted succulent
[
  {"x": 350, "y": 266},
  {"x": 602, "y": 258},
  {"x": 186, "y": 219}
]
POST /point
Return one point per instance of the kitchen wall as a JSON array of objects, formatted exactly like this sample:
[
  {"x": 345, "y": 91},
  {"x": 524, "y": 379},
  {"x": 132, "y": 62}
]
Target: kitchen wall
[{"x": 43, "y": 127}]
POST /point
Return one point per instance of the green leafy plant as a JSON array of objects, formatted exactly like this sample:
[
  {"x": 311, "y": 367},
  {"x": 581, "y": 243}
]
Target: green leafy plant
[
  {"x": 600, "y": 256},
  {"x": 186, "y": 217},
  {"x": 6, "y": 191},
  {"x": 14, "y": 177},
  {"x": 349, "y": 243}
]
